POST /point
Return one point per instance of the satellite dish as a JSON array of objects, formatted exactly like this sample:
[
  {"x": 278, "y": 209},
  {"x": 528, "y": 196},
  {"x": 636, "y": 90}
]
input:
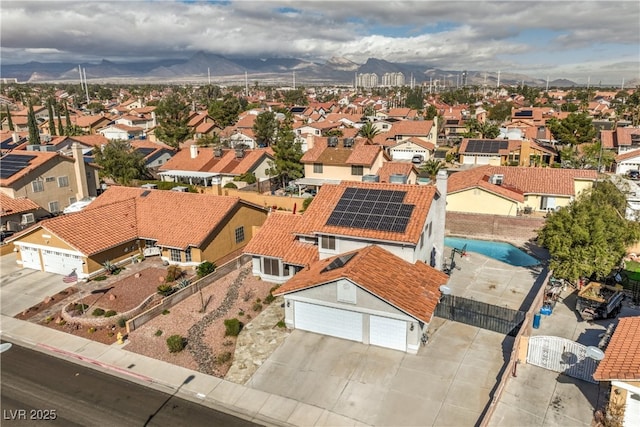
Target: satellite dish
[
  {"x": 445, "y": 290},
  {"x": 594, "y": 353}
]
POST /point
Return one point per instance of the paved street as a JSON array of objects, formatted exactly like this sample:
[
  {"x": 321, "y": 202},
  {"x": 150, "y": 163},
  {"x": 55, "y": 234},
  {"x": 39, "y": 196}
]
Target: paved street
[{"x": 72, "y": 395}]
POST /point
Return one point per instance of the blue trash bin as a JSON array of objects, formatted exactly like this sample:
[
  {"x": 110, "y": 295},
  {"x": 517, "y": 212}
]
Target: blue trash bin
[{"x": 536, "y": 320}]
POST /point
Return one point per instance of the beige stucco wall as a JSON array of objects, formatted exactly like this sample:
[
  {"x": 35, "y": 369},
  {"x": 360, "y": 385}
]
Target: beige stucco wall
[
  {"x": 535, "y": 200},
  {"x": 115, "y": 255},
  {"x": 478, "y": 201},
  {"x": 581, "y": 185}
]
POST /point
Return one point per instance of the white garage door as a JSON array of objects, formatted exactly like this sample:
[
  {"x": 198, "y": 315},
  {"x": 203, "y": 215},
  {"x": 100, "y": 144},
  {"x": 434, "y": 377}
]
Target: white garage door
[
  {"x": 60, "y": 263},
  {"x": 30, "y": 257},
  {"x": 328, "y": 321},
  {"x": 632, "y": 410},
  {"x": 482, "y": 160},
  {"x": 390, "y": 333}
]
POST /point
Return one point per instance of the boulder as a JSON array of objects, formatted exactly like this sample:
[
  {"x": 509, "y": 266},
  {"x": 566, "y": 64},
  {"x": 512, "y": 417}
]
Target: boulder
[{"x": 112, "y": 297}]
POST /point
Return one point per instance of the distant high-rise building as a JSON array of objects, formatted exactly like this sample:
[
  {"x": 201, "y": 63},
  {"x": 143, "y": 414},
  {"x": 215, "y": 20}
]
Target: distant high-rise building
[
  {"x": 464, "y": 78},
  {"x": 393, "y": 79},
  {"x": 367, "y": 80}
]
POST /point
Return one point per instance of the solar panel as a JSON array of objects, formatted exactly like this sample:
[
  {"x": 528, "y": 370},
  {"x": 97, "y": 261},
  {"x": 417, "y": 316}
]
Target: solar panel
[
  {"x": 145, "y": 151},
  {"x": 12, "y": 164},
  {"x": 524, "y": 113},
  {"x": 372, "y": 209},
  {"x": 486, "y": 146}
]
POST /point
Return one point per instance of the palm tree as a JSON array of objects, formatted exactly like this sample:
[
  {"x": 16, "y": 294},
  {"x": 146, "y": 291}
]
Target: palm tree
[
  {"x": 368, "y": 131},
  {"x": 431, "y": 168}
]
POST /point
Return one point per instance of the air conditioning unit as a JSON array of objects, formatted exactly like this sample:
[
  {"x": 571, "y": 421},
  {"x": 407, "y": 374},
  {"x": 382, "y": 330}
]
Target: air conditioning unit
[
  {"x": 332, "y": 141},
  {"x": 348, "y": 142},
  {"x": 217, "y": 152},
  {"x": 239, "y": 153},
  {"x": 497, "y": 179}
]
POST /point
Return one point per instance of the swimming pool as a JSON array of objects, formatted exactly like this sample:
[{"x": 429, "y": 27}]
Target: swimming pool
[{"x": 497, "y": 250}]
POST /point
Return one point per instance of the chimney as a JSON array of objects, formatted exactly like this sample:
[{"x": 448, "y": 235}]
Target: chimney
[
  {"x": 15, "y": 138},
  {"x": 194, "y": 151},
  {"x": 81, "y": 172},
  {"x": 440, "y": 216},
  {"x": 310, "y": 141}
]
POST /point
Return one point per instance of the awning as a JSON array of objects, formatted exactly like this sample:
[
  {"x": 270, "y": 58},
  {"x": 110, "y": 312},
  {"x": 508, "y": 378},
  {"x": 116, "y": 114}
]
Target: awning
[
  {"x": 189, "y": 174},
  {"x": 315, "y": 181}
]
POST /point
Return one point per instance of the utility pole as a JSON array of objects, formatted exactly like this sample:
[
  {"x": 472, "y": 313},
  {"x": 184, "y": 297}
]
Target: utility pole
[
  {"x": 86, "y": 87},
  {"x": 498, "y": 85}
]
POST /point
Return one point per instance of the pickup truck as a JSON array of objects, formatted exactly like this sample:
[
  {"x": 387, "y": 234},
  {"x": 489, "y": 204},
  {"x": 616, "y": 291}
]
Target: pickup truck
[{"x": 599, "y": 301}]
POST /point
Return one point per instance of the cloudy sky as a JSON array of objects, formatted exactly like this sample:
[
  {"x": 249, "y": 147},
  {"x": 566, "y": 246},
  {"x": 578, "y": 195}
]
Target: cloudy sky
[{"x": 596, "y": 40}]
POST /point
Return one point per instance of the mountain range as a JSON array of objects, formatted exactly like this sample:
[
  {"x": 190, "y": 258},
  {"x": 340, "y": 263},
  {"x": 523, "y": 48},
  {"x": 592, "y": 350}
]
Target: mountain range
[{"x": 202, "y": 66}]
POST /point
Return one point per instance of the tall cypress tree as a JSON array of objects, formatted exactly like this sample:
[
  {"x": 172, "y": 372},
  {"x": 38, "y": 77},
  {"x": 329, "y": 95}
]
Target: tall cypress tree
[
  {"x": 34, "y": 133},
  {"x": 287, "y": 153},
  {"x": 9, "y": 120},
  {"x": 52, "y": 123},
  {"x": 68, "y": 120},
  {"x": 59, "y": 114}
]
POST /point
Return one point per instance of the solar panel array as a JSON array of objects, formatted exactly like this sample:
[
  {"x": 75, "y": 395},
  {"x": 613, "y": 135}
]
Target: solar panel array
[
  {"x": 12, "y": 164},
  {"x": 523, "y": 113},
  {"x": 339, "y": 262},
  {"x": 371, "y": 209},
  {"x": 145, "y": 151},
  {"x": 486, "y": 146}
]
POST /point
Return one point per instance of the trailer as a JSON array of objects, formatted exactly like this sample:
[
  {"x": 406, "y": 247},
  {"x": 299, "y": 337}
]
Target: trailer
[{"x": 599, "y": 301}]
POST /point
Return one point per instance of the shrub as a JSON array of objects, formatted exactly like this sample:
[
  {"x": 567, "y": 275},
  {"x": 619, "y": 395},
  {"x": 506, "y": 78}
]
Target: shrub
[
  {"x": 183, "y": 283},
  {"x": 232, "y": 327},
  {"x": 306, "y": 202},
  {"x": 122, "y": 322},
  {"x": 117, "y": 271},
  {"x": 91, "y": 330},
  {"x": 175, "y": 343},
  {"x": 48, "y": 319},
  {"x": 257, "y": 306},
  {"x": 223, "y": 357},
  {"x": 110, "y": 313},
  {"x": 62, "y": 322},
  {"x": 174, "y": 272},
  {"x": 241, "y": 313},
  {"x": 97, "y": 312},
  {"x": 258, "y": 300},
  {"x": 110, "y": 334},
  {"x": 109, "y": 267},
  {"x": 230, "y": 185},
  {"x": 281, "y": 324},
  {"x": 206, "y": 268},
  {"x": 165, "y": 289},
  {"x": 165, "y": 312},
  {"x": 80, "y": 307},
  {"x": 269, "y": 299},
  {"x": 158, "y": 333},
  {"x": 99, "y": 278},
  {"x": 247, "y": 295}
]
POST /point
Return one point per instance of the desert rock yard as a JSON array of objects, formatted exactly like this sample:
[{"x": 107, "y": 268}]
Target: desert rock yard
[{"x": 237, "y": 295}]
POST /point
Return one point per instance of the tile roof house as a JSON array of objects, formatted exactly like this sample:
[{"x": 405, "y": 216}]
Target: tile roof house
[
  {"x": 51, "y": 180},
  {"x": 367, "y": 295},
  {"x": 155, "y": 154},
  {"x": 496, "y": 152},
  {"x": 333, "y": 159},
  {"x": 621, "y": 367},
  {"x": 123, "y": 223},
  {"x": 215, "y": 166},
  {"x": 508, "y": 190},
  {"x": 15, "y": 214},
  {"x": 90, "y": 124},
  {"x": 625, "y": 142},
  {"x": 121, "y": 132},
  {"x": 406, "y": 220}
]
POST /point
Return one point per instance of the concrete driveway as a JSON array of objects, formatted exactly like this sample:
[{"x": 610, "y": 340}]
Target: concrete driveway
[{"x": 21, "y": 288}]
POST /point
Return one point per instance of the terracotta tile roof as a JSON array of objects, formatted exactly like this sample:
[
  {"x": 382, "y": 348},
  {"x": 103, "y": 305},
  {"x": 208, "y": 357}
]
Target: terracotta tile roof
[
  {"x": 88, "y": 121},
  {"x": 521, "y": 180},
  {"x": 10, "y": 206},
  {"x": 160, "y": 215},
  {"x": 275, "y": 239},
  {"x": 89, "y": 140},
  {"x": 412, "y": 288},
  {"x": 206, "y": 161},
  {"x": 622, "y": 356},
  {"x": 247, "y": 121},
  {"x": 399, "y": 112},
  {"x": 205, "y": 127},
  {"x": 417, "y": 141},
  {"x": 318, "y": 212},
  {"x": 39, "y": 159},
  {"x": 621, "y": 136},
  {"x": 412, "y": 127},
  {"x": 627, "y": 155},
  {"x": 390, "y": 168},
  {"x": 359, "y": 154}
]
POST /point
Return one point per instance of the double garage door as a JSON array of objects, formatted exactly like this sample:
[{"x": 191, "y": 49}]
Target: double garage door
[
  {"x": 51, "y": 261},
  {"x": 383, "y": 331}
]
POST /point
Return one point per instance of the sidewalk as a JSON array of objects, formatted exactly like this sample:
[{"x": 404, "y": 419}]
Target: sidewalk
[{"x": 238, "y": 400}]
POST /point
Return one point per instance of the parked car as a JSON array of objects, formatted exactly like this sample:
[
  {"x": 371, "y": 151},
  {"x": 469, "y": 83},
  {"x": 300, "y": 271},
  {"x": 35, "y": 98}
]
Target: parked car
[
  {"x": 417, "y": 159},
  {"x": 633, "y": 174}
]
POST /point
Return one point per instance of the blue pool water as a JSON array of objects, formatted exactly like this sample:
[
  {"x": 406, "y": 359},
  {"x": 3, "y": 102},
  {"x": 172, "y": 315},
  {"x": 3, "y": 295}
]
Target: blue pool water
[{"x": 497, "y": 250}]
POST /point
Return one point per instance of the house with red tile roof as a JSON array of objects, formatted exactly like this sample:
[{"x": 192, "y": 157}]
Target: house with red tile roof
[
  {"x": 367, "y": 295},
  {"x": 90, "y": 124},
  {"x": 511, "y": 191},
  {"x": 496, "y": 152},
  {"x": 185, "y": 228},
  {"x": 210, "y": 166},
  {"x": 121, "y": 132},
  {"x": 395, "y": 172},
  {"x": 406, "y": 220},
  {"x": 334, "y": 159},
  {"x": 621, "y": 368},
  {"x": 15, "y": 214},
  {"x": 52, "y": 180},
  {"x": 625, "y": 142}
]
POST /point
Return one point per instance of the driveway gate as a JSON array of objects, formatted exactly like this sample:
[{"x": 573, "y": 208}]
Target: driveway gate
[{"x": 561, "y": 355}]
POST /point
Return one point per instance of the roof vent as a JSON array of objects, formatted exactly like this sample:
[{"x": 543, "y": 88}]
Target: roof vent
[
  {"x": 397, "y": 178},
  {"x": 370, "y": 178},
  {"x": 348, "y": 142},
  {"x": 217, "y": 152},
  {"x": 239, "y": 153},
  {"x": 332, "y": 141},
  {"x": 497, "y": 179}
]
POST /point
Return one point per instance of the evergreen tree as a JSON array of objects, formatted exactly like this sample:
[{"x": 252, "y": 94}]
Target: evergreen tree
[
  {"x": 9, "y": 120},
  {"x": 590, "y": 236},
  {"x": 225, "y": 112},
  {"x": 120, "y": 162},
  {"x": 265, "y": 128},
  {"x": 59, "y": 114},
  {"x": 576, "y": 129},
  {"x": 431, "y": 112},
  {"x": 32, "y": 124},
  {"x": 52, "y": 123},
  {"x": 287, "y": 153},
  {"x": 173, "y": 118},
  {"x": 69, "y": 128}
]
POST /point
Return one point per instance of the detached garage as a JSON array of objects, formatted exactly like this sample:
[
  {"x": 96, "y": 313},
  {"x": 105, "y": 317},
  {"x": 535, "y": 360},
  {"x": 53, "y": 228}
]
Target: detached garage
[{"x": 370, "y": 296}]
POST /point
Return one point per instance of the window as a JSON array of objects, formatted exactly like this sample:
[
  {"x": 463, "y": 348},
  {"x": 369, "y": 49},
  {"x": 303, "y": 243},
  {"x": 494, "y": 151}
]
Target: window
[
  {"x": 187, "y": 255},
  {"x": 37, "y": 186},
  {"x": 50, "y": 179},
  {"x": 149, "y": 243},
  {"x": 239, "y": 234},
  {"x": 328, "y": 242},
  {"x": 271, "y": 266},
  {"x": 357, "y": 170},
  {"x": 430, "y": 228},
  {"x": 54, "y": 207},
  {"x": 176, "y": 255},
  {"x": 317, "y": 168},
  {"x": 28, "y": 218},
  {"x": 63, "y": 181},
  {"x": 72, "y": 200}
]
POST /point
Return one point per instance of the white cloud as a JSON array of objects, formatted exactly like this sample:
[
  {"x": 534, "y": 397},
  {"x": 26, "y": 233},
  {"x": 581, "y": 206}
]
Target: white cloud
[{"x": 454, "y": 35}]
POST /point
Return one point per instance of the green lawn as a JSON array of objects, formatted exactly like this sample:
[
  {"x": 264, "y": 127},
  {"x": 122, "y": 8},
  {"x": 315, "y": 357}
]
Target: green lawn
[{"x": 632, "y": 268}]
